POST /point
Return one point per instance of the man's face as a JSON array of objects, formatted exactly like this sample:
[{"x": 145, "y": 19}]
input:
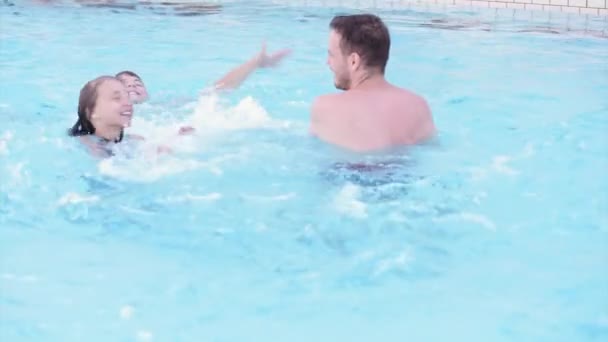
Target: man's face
[
  {"x": 338, "y": 62},
  {"x": 135, "y": 87}
]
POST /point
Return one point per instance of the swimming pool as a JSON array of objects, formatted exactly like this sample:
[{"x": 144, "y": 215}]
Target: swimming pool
[{"x": 252, "y": 231}]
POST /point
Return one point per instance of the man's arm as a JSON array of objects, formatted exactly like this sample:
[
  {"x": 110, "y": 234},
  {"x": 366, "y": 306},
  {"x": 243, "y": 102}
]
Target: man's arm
[
  {"x": 324, "y": 114},
  {"x": 238, "y": 75},
  {"x": 315, "y": 116}
]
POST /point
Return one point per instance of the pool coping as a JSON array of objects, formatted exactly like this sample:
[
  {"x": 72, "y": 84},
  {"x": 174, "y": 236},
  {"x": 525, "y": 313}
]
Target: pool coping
[
  {"x": 588, "y": 8},
  {"x": 550, "y": 20}
]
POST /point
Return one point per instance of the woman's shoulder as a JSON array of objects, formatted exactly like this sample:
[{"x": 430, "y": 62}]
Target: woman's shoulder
[{"x": 95, "y": 146}]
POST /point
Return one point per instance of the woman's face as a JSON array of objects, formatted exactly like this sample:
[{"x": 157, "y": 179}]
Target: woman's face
[{"x": 112, "y": 107}]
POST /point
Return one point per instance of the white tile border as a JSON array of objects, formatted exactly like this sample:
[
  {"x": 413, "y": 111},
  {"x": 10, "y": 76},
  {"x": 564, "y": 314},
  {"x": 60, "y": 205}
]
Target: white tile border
[
  {"x": 542, "y": 16},
  {"x": 583, "y": 7}
]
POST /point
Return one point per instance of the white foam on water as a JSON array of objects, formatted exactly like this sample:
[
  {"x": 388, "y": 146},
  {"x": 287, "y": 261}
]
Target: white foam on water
[
  {"x": 365, "y": 256},
  {"x": 150, "y": 169},
  {"x": 499, "y": 164},
  {"x": 479, "y": 219},
  {"x": 74, "y": 198},
  {"x": 214, "y": 196},
  {"x": 347, "y": 202},
  {"x": 397, "y": 263},
  {"x": 126, "y": 312},
  {"x": 275, "y": 198},
  {"x": 18, "y": 175},
  {"x": 4, "y": 139},
  {"x": 136, "y": 211},
  {"x": 211, "y": 116},
  {"x": 299, "y": 103},
  {"x": 147, "y": 170},
  {"x": 141, "y": 160},
  {"x": 144, "y": 335},
  {"x": 477, "y": 198}
]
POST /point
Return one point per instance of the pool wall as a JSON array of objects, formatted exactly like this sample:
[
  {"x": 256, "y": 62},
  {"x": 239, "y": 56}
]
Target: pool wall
[
  {"x": 579, "y": 16},
  {"x": 583, "y": 7}
]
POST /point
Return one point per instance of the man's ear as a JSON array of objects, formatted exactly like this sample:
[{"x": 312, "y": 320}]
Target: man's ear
[{"x": 354, "y": 61}]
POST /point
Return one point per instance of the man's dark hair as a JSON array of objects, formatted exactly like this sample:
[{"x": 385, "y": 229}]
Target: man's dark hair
[
  {"x": 129, "y": 73},
  {"x": 366, "y": 35}
]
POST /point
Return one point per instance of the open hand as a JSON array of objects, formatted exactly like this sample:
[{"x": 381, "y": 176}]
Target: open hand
[{"x": 265, "y": 61}]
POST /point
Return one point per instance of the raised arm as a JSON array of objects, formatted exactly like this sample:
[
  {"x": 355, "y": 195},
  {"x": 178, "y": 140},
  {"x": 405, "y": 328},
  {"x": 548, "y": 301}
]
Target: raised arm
[{"x": 238, "y": 75}]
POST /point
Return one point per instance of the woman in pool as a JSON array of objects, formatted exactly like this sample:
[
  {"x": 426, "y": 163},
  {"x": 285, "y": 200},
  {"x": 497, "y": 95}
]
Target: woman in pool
[
  {"x": 105, "y": 105},
  {"x": 104, "y": 111}
]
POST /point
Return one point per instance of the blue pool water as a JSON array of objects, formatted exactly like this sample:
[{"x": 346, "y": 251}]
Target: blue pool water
[{"x": 253, "y": 231}]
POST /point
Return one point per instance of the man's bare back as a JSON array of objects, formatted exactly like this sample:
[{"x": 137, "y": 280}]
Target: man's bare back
[
  {"x": 372, "y": 118},
  {"x": 371, "y": 114}
]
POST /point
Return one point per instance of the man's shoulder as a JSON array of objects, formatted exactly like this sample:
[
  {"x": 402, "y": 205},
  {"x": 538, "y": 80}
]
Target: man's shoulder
[
  {"x": 327, "y": 103},
  {"x": 328, "y": 99},
  {"x": 324, "y": 111},
  {"x": 405, "y": 97},
  {"x": 406, "y": 94}
]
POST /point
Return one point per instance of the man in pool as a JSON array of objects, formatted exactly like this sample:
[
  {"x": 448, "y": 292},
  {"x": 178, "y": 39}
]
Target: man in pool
[
  {"x": 135, "y": 86},
  {"x": 371, "y": 114}
]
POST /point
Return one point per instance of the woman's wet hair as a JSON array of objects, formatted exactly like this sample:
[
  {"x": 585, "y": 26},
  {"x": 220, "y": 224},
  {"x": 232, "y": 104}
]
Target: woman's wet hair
[{"x": 86, "y": 104}]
